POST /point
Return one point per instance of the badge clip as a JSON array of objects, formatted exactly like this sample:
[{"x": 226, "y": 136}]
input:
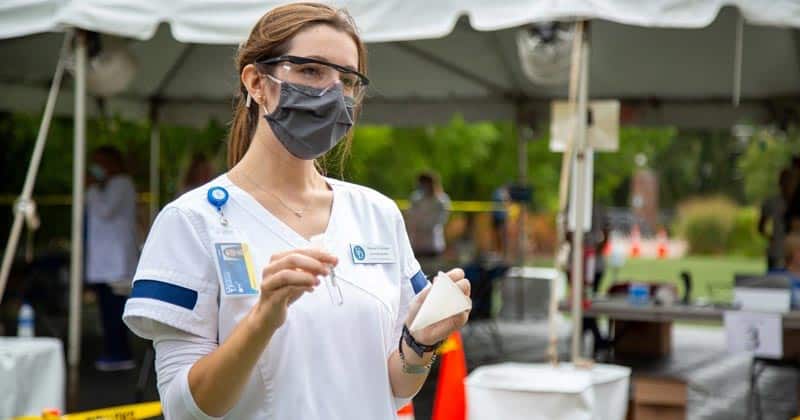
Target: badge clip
[{"x": 218, "y": 196}]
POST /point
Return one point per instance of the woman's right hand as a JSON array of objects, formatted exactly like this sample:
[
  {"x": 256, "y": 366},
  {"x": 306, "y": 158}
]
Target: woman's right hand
[{"x": 287, "y": 276}]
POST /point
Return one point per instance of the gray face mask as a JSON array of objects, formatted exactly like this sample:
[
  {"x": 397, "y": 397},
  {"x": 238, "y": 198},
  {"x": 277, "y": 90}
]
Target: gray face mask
[{"x": 309, "y": 122}]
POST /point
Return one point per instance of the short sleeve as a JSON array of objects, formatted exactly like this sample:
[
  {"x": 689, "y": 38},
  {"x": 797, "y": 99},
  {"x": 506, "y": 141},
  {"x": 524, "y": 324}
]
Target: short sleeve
[
  {"x": 175, "y": 282},
  {"x": 412, "y": 282}
]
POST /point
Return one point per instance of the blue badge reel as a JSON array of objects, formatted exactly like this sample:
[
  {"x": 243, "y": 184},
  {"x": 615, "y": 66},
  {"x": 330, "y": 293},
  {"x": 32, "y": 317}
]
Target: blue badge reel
[{"x": 232, "y": 257}]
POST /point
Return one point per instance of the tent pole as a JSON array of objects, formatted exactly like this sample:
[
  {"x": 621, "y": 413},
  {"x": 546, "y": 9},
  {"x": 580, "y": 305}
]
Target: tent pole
[
  {"x": 737, "y": 61},
  {"x": 563, "y": 185},
  {"x": 24, "y": 204},
  {"x": 522, "y": 162},
  {"x": 78, "y": 171},
  {"x": 580, "y": 204},
  {"x": 155, "y": 159}
]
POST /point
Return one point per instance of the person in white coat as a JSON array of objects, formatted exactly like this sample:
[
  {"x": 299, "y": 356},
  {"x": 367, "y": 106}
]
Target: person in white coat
[
  {"x": 274, "y": 292},
  {"x": 111, "y": 250}
]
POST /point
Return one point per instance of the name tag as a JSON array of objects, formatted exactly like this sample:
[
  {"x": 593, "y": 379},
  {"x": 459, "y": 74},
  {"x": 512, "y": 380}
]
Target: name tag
[
  {"x": 372, "y": 254},
  {"x": 235, "y": 268}
]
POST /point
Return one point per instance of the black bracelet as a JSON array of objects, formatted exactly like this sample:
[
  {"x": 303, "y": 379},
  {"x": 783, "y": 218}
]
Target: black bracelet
[
  {"x": 413, "y": 369},
  {"x": 416, "y": 346}
]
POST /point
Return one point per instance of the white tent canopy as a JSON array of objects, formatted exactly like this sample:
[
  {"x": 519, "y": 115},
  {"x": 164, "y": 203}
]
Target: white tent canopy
[
  {"x": 229, "y": 22},
  {"x": 429, "y": 60},
  {"x": 670, "y": 61}
]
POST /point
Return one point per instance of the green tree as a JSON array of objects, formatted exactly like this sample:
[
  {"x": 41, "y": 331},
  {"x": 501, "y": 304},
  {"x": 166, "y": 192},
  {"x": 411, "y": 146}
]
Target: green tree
[{"x": 766, "y": 154}]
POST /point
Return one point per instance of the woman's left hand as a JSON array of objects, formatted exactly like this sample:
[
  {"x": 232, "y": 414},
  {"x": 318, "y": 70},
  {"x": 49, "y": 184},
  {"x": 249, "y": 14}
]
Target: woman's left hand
[{"x": 440, "y": 330}]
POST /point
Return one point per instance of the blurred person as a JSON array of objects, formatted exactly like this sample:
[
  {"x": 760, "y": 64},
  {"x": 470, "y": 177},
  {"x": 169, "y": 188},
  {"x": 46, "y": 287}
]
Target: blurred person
[
  {"x": 791, "y": 253},
  {"x": 773, "y": 213},
  {"x": 791, "y": 266},
  {"x": 111, "y": 249},
  {"x": 793, "y": 198},
  {"x": 228, "y": 285},
  {"x": 200, "y": 171},
  {"x": 427, "y": 215},
  {"x": 594, "y": 266},
  {"x": 598, "y": 238},
  {"x": 500, "y": 200}
]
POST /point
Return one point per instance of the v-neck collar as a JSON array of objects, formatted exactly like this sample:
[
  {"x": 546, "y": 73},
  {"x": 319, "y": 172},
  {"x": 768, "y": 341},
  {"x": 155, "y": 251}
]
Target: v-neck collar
[{"x": 274, "y": 223}]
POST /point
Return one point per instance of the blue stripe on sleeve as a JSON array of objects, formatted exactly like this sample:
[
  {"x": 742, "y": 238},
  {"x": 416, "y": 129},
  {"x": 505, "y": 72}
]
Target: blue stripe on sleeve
[
  {"x": 419, "y": 281},
  {"x": 165, "y": 292}
]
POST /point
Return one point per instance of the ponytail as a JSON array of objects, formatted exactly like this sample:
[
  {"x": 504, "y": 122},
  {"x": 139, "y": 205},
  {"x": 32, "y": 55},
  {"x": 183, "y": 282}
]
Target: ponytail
[{"x": 243, "y": 127}]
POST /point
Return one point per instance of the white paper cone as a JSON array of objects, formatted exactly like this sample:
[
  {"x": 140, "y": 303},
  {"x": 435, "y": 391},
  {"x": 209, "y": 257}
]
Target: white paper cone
[{"x": 444, "y": 300}]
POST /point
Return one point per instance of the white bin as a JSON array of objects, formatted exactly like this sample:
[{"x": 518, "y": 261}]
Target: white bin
[{"x": 513, "y": 391}]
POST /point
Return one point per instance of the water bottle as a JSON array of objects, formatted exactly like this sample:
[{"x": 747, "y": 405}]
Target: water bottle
[
  {"x": 25, "y": 321},
  {"x": 639, "y": 294}
]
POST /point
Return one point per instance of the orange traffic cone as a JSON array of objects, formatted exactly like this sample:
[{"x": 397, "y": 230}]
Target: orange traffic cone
[
  {"x": 450, "y": 402},
  {"x": 406, "y": 413},
  {"x": 662, "y": 249},
  {"x": 636, "y": 242}
]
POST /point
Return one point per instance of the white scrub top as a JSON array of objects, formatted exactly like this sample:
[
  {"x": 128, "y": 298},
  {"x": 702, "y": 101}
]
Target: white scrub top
[{"x": 326, "y": 361}]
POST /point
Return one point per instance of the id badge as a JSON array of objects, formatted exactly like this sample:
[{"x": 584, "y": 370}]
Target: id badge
[
  {"x": 372, "y": 254},
  {"x": 235, "y": 268}
]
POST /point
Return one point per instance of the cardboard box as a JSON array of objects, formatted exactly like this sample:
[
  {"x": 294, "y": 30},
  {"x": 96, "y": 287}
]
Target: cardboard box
[
  {"x": 642, "y": 339},
  {"x": 658, "y": 399}
]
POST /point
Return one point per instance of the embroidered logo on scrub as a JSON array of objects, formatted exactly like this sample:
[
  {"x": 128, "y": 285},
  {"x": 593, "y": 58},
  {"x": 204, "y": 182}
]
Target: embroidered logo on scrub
[
  {"x": 236, "y": 268},
  {"x": 358, "y": 253}
]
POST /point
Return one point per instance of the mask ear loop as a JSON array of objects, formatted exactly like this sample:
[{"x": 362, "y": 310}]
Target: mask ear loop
[{"x": 248, "y": 101}]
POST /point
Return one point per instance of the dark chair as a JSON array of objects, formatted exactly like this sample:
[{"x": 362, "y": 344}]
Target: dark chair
[{"x": 483, "y": 275}]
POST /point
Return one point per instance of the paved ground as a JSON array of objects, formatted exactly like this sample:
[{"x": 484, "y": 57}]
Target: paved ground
[{"x": 520, "y": 342}]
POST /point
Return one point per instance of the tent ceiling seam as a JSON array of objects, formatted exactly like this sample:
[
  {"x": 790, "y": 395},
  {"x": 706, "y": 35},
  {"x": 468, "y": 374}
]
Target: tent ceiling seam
[
  {"x": 171, "y": 73},
  {"x": 505, "y": 63},
  {"x": 441, "y": 63}
]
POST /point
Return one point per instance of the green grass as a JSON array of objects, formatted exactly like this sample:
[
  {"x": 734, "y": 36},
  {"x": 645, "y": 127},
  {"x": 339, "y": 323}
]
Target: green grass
[{"x": 712, "y": 276}]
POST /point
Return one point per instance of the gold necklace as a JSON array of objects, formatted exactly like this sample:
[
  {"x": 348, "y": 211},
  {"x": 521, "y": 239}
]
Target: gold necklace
[{"x": 297, "y": 213}]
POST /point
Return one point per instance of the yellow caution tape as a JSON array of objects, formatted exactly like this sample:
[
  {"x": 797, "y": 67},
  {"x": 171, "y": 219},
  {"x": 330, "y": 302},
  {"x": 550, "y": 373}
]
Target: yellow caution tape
[
  {"x": 122, "y": 412},
  {"x": 471, "y": 206},
  {"x": 144, "y": 197}
]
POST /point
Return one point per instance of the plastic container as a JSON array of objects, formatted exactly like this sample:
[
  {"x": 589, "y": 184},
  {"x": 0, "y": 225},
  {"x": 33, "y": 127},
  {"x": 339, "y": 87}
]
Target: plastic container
[
  {"x": 26, "y": 321},
  {"x": 512, "y": 391},
  {"x": 639, "y": 294},
  {"x": 795, "y": 293}
]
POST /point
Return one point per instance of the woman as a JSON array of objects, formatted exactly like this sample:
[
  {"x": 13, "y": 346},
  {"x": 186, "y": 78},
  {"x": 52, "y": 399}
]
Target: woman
[{"x": 230, "y": 287}]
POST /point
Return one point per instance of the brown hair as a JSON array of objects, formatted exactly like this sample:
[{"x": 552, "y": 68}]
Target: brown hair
[
  {"x": 270, "y": 37},
  {"x": 432, "y": 179}
]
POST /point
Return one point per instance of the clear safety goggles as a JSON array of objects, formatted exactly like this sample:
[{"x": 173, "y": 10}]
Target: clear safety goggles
[{"x": 316, "y": 74}]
